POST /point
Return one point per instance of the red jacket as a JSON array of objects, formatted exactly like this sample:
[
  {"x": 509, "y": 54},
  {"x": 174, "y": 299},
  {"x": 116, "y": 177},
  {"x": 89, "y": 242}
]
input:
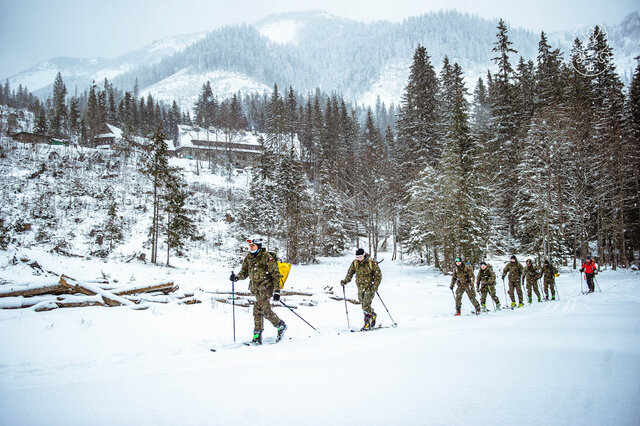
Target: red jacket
[{"x": 589, "y": 267}]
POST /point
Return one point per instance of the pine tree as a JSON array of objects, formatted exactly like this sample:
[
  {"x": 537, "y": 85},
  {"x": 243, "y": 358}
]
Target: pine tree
[
  {"x": 612, "y": 169},
  {"x": 156, "y": 168},
  {"x": 59, "y": 116},
  {"x": 419, "y": 139},
  {"x": 504, "y": 123},
  {"x": 180, "y": 224}
]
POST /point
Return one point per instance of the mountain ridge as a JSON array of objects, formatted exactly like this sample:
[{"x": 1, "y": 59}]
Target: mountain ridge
[{"x": 314, "y": 49}]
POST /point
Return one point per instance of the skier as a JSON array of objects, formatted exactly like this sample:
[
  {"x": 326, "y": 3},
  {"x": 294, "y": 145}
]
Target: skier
[
  {"x": 486, "y": 283},
  {"x": 368, "y": 277},
  {"x": 589, "y": 268},
  {"x": 262, "y": 269},
  {"x": 549, "y": 272},
  {"x": 514, "y": 269},
  {"x": 531, "y": 275},
  {"x": 463, "y": 274}
]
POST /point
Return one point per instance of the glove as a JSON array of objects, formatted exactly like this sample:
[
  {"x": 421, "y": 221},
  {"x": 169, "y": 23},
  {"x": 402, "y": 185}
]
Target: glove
[
  {"x": 581, "y": 269},
  {"x": 503, "y": 278},
  {"x": 451, "y": 287},
  {"x": 276, "y": 295},
  {"x": 343, "y": 282},
  {"x": 233, "y": 277}
]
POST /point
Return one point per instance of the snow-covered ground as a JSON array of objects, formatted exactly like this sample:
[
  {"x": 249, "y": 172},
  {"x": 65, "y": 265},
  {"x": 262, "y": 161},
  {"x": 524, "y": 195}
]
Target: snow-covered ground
[{"x": 570, "y": 362}]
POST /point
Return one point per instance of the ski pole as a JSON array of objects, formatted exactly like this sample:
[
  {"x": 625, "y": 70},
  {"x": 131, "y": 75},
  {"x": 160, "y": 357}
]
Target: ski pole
[
  {"x": 233, "y": 302},
  {"x": 581, "y": 286},
  {"x": 283, "y": 304},
  {"x": 596, "y": 280},
  {"x": 385, "y": 307},
  {"x": 344, "y": 294},
  {"x": 505, "y": 292}
]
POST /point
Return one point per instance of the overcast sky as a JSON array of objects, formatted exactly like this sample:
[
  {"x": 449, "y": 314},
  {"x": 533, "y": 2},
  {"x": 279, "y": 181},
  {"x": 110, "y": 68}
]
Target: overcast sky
[{"x": 32, "y": 31}]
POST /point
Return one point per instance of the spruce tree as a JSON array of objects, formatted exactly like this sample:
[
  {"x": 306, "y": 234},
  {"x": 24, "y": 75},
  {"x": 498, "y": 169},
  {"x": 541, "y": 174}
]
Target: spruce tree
[
  {"x": 156, "y": 168},
  {"x": 504, "y": 126}
]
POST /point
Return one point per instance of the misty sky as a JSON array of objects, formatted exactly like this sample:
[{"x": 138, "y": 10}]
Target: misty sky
[{"x": 32, "y": 31}]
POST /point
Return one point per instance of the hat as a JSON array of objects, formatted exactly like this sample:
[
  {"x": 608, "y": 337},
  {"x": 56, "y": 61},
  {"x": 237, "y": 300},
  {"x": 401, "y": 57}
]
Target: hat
[
  {"x": 546, "y": 262},
  {"x": 483, "y": 263},
  {"x": 514, "y": 257},
  {"x": 458, "y": 260},
  {"x": 360, "y": 252},
  {"x": 588, "y": 257}
]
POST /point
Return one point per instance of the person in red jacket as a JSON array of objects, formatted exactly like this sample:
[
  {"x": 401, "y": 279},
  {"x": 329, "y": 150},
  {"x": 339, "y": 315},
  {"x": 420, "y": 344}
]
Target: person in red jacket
[{"x": 589, "y": 268}]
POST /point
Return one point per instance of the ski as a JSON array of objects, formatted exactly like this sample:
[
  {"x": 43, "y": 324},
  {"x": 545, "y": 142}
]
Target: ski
[
  {"x": 269, "y": 341},
  {"x": 377, "y": 327}
]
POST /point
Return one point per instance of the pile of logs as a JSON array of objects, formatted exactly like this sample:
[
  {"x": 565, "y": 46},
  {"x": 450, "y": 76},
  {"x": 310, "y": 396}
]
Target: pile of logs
[{"x": 69, "y": 293}]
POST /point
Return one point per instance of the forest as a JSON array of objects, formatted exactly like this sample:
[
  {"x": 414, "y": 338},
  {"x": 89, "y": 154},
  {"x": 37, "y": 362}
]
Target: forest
[{"x": 541, "y": 157}]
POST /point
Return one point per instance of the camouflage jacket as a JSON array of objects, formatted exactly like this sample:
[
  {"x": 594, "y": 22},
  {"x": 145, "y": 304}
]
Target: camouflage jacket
[
  {"x": 514, "y": 269},
  {"x": 487, "y": 276},
  {"x": 367, "y": 272},
  {"x": 463, "y": 274},
  {"x": 262, "y": 269},
  {"x": 549, "y": 272},
  {"x": 531, "y": 273}
]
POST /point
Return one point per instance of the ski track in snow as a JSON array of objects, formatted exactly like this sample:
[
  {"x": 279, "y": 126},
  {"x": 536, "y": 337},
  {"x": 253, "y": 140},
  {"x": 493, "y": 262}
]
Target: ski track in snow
[{"x": 571, "y": 361}]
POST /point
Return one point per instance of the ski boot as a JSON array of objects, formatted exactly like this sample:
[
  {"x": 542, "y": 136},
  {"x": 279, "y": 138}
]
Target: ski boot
[
  {"x": 257, "y": 337},
  {"x": 553, "y": 297},
  {"x": 372, "y": 321},
  {"x": 281, "y": 329},
  {"x": 457, "y": 314},
  {"x": 498, "y": 306},
  {"x": 520, "y": 305},
  {"x": 478, "y": 310},
  {"x": 539, "y": 299},
  {"x": 484, "y": 308},
  {"x": 367, "y": 322},
  {"x": 529, "y": 300},
  {"x": 513, "y": 305}
]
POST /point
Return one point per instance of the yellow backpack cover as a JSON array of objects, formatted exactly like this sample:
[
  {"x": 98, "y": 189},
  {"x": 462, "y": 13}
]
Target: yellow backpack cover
[{"x": 284, "y": 269}]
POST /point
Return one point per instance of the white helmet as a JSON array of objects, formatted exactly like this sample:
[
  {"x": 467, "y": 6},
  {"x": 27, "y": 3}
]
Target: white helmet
[{"x": 255, "y": 239}]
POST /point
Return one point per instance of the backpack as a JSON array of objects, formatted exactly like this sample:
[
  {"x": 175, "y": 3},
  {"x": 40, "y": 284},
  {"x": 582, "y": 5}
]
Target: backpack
[{"x": 283, "y": 267}]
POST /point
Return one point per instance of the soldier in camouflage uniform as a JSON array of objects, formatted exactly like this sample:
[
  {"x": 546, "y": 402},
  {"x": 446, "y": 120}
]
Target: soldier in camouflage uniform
[
  {"x": 368, "y": 277},
  {"x": 531, "y": 276},
  {"x": 463, "y": 275},
  {"x": 262, "y": 269},
  {"x": 549, "y": 273},
  {"x": 514, "y": 269},
  {"x": 486, "y": 283}
]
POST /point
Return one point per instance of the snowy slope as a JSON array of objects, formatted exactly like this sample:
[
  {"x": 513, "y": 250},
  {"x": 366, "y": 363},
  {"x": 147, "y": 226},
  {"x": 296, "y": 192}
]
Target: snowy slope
[
  {"x": 82, "y": 71},
  {"x": 569, "y": 362},
  {"x": 184, "y": 86}
]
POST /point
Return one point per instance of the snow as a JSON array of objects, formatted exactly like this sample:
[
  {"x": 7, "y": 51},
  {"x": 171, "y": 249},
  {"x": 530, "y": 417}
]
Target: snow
[
  {"x": 283, "y": 31},
  {"x": 184, "y": 86},
  {"x": 572, "y": 361}
]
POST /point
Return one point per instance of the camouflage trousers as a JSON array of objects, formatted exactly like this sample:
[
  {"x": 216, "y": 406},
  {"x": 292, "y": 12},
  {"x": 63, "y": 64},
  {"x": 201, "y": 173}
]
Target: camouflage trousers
[
  {"x": 262, "y": 309},
  {"x": 549, "y": 285},
  {"x": 533, "y": 284},
  {"x": 470, "y": 293},
  {"x": 365, "y": 297},
  {"x": 515, "y": 286},
  {"x": 491, "y": 289}
]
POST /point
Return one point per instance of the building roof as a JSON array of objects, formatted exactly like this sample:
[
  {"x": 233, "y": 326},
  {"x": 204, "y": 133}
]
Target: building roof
[{"x": 188, "y": 134}]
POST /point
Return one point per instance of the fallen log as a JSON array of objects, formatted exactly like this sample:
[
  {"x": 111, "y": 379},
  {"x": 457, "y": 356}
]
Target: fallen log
[
  {"x": 33, "y": 290},
  {"x": 91, "y": 289},
  {"x": 163, "y": 287}
]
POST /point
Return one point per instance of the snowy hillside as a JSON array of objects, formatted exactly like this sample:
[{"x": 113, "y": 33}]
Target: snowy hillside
[
  {"x": 80, "y": 72},
  {"x": 566, "y": 362},
  {"x": 184, "y": 86},
  {"x": 315, "y": 49}
]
